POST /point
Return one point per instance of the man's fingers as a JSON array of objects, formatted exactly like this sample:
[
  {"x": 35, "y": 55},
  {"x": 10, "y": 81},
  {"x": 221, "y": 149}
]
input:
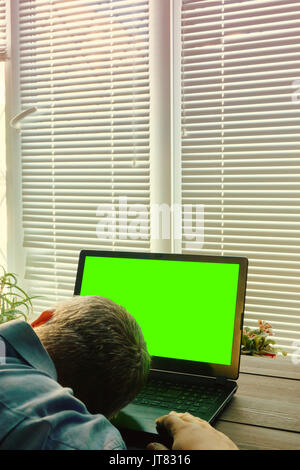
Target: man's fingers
[
  {"x": 174, "y": 422},
  {"x": 156, "y": 446},
  {"x": 187, "y": 417},
  {"x": 171, "y": 422}
]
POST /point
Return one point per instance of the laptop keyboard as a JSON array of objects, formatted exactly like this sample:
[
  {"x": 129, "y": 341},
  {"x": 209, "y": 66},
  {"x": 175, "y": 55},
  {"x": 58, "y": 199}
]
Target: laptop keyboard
[{"x": 196, "y": 399}]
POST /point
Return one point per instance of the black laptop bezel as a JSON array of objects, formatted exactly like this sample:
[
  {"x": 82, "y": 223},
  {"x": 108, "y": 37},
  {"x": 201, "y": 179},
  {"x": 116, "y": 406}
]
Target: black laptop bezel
[{"x": 176, "y": 365}]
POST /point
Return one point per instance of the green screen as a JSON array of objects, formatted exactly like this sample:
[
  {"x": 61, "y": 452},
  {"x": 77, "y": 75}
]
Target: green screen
[{"x": 186, "y": 309}]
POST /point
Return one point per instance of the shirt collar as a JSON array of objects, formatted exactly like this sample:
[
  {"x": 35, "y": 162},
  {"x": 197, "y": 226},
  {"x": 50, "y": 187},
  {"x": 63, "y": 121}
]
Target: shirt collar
[{"x": 22, "y": 337}]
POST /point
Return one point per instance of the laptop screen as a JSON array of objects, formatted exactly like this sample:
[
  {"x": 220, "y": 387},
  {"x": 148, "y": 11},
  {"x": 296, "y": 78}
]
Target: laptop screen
[{"x": 186, "y": 309}]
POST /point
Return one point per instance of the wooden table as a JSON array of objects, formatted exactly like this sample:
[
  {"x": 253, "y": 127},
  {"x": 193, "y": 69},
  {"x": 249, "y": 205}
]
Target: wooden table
[{"x": 265, "y": 411}]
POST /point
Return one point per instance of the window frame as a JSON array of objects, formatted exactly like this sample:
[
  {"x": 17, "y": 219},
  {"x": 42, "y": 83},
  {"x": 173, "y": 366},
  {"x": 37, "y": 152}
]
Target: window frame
[{"x": 165, "y": 127}]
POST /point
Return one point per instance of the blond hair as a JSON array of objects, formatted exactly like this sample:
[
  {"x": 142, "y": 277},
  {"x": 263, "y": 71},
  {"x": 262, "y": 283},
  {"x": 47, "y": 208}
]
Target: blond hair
[{"x": 98, "y": 350}]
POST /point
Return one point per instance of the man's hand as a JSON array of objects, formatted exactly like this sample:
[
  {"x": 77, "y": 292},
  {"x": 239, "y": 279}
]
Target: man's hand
[{"x": 191, "y": 433}]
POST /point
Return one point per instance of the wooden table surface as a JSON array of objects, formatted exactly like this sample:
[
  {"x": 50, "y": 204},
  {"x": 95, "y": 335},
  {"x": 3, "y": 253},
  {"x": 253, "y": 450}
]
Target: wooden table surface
[{"x": 265, "y": 411}]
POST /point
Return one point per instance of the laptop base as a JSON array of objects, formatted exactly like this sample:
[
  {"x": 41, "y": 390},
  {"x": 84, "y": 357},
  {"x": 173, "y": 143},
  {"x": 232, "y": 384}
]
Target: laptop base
[{"x": 137, "y": 421}]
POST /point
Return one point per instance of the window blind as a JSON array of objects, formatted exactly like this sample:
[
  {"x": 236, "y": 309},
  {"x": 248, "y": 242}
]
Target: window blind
[
  {"x": 240, "y": 144},
  {"x": 84, "y": 66},
  {"x": 3, "y": 29}
]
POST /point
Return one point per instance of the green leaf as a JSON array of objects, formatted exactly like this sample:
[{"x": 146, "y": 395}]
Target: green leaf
[{"x": 14, "y": 301}]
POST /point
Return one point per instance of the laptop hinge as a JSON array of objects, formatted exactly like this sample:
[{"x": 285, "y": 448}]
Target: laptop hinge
[{"x": 221, "y": 380}]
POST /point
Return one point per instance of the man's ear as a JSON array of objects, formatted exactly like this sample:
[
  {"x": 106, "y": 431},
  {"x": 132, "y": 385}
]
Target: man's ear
[{"x": 43, "y": 318}]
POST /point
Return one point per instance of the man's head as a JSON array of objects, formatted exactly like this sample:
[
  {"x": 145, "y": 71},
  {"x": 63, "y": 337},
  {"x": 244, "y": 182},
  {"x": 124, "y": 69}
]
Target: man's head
[{"x": 98, "y": 350}]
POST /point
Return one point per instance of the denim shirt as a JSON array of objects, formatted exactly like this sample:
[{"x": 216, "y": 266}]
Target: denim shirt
[{"x": 35, "y": 411}]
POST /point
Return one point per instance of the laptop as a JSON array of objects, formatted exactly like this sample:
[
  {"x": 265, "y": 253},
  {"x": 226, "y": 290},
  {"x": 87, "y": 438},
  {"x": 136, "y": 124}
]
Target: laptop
[{"x": 190, "y": 309}]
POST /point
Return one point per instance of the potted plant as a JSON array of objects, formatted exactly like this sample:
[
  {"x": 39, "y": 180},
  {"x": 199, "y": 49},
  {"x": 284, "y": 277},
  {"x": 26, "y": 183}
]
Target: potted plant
[
  {"x": 14, "y": 302},
  {"x": 257, "y": 342}
]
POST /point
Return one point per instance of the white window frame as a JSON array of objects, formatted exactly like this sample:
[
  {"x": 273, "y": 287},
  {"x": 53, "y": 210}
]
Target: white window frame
[{"x": 15, "y": 251}]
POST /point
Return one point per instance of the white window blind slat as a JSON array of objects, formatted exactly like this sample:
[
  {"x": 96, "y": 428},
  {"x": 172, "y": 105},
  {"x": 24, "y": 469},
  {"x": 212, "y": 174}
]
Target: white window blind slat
[{"x": 240, "y": 146}]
